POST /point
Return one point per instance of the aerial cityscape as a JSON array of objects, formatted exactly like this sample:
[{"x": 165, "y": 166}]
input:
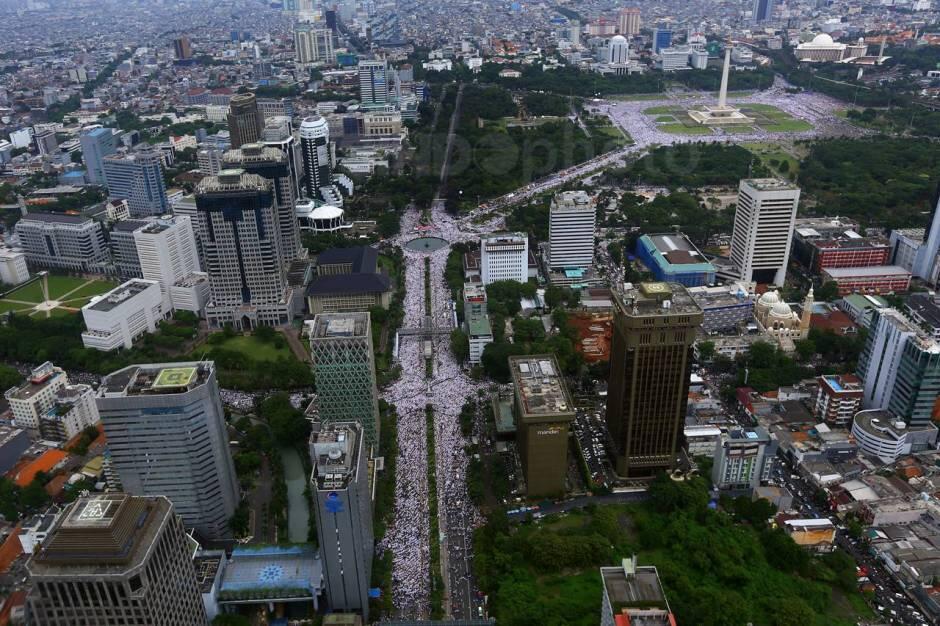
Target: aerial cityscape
[{"x": 473, "y": 312}]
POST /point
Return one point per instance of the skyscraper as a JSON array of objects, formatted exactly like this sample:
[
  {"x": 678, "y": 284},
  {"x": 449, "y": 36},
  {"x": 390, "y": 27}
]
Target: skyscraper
[
  {"x": 245, "y": 121},
  {"x": 572, "y": 216},
  {"x": 181, "y": 48},
  {"x": 543, "y": 409},
  {"x": 313, "y": 43},
  {"x": 343, "y": 512},
  {"x": 763, "y": 228},
  {"x": 762, "y": 11},
  {"x": 138, "y": 178},
  {"x": 97, "y": 143},
  {"x": 115, "y": 559},
  {"x": 315, "y": 148},
  {"x": 241, "y": 244},
  {"x": 926, "y": 262},
  {"x": 277, "y": 134},
  {"x": 168, "y": 254},
  {"x": 650, "y": 364},
  {"x": 166, "y": 433},
  {"x": 662, "y": 38},
  {"x": 628, "y": 21},
  {"x": 504, "y": 256},
  {"x": 373, "y": 82},
  {"x": 272, "y": 164},
  {"x": 900, "y": 369},
  {"x": 344, "y": 368}
]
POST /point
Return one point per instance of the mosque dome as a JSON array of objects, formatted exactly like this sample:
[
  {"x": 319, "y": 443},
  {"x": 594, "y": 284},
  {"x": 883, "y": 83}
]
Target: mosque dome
[{"x": 822, "y": 39}]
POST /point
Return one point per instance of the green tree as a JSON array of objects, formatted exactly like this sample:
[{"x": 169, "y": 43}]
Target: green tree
[
  {"x": 288, "y": 425},
  {"x": 460, "y": 344},
  {"x": 9, "y": 376},
  {"x": 706, "y": 350},
  {"x": 827, "y": 292}
]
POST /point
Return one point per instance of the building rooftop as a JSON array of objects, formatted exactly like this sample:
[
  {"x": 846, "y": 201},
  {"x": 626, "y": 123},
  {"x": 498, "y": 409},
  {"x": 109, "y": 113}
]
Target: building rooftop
[
  {"x": 271, "y": 572},
  {"x": 348, "y": 284},
  {"x": 41, "y": 377},
  {"x": 573, "y": 201},
  {"x": 55, "y": 218},
  {"x": 770, "y": 184},
  {"x": 474, "y": 292},
  {"x": 128, "y": 226},
  {"x": 363, "y": 259},
  {"x": 158, "y": 378},
  {"x": 207, "y": 567},
  {"x": 884, "y": 424},
  {"x": 638, "y": 589},
  {"x": 540, "y": 387},
  {"x": 676, "y": 249},
  {"x": 232, "y": 180},
  {"x": 339, "y": 325},
  {"x": 101, "y": 534},
  {"x": 479, "y": 325},
  {"x": 864, "y": 272},
  {"x": 498, "y": 239},
  {"x": 925, "y": 308},
  {"x": 657, "y": 298},
  {"x": 120, "y": 294},
  {"x": 334, "y": 449}
]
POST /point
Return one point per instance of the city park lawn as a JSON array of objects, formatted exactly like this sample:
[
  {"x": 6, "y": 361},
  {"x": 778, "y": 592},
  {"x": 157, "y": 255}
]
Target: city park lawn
[
  {"x": 773, "y": 155},
  {"x": 675, "y": 120},
  {"x": 70, "y": 291},
  {"x": 252, "y": 348}
]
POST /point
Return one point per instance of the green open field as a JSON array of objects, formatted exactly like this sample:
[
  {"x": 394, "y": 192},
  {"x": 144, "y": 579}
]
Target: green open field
[
  {"x": 773, "y": 156},
  {"x": 252, "y": 348},
  {"x": 676, "y": 120},
  {"x": 69, "y": 291},
  {"x": 632, "y": 97}
]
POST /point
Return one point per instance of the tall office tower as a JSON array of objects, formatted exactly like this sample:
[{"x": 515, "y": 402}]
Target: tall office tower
[
  {"x": 504, "y": 256},
  {"x": 763, "y": 10},
  {"x": 662, "y": 38},
  {"x": 138, "y": 178},
  {"x": 543, "y": 409},
  {"x": 373, "y": 82},
  {"x": 315, "y": 148},
  {"x": 46, "y": 142},
  {"x": 650, "y": 365},
  {"x": 343, "y": 511},
  {"x": 628, "y": 21},
  {"x": 115, "y": 559},
  {"x": 96, "y": 143},
  {"x": 124, "y": 248},
  {"x": 272, "y": 164},
  {"x": 926, "y": 262},
  {"x": 314, "y": 43},
  {"x": 168, "y": 254},
  {"x": 618, "y": 50},
  {"x": 574, "y": 32},
  {"x": 182, "y": 48},
  {"x": 900, "y": 369},
  {"x": 277, "y": 134},
  {"x": 344, "y": 367},
  {"x": 572, "y": 216},
  {"x": 241, "y": 245},
  {"x": 166, "y": 433},
  {"x": 244, "y": 119},
  {"x": 69, "y": 242},
  {"x": 763, "y": 228},
  {"x": 209, "y": 159}
]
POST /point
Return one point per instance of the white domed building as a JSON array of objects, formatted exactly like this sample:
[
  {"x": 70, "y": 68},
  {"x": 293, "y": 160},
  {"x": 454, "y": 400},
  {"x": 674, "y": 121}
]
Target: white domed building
[
  {"x": 821, "y": 49},
  {"x": 320, "y": 218},
  {"x": 618, "y": 50},
  {"x": 777, "y": 320}
]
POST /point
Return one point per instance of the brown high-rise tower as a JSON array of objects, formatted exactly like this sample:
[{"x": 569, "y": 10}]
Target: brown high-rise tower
[
  {"x": 245, "y": 121},
  {"x": 650, "y": 363}
]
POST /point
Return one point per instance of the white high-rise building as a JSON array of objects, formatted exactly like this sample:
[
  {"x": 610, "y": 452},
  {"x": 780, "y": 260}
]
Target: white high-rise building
[
  {"x": 925, "y": 262},
  {"x": 169, "y": 255},
  {"x": 618, "y": 51},
  {"x": 115, "y": 319},
  {"x": 315, "y": 149},
  {"x": 571, "y": 230},
  {"x": 763, "y": 228},
  {"x": 504, "y": 256},
  {"x": 13, "y": 270},
  {"x": 74, "y": 411},
  {"x": 313, "y": 43}
]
